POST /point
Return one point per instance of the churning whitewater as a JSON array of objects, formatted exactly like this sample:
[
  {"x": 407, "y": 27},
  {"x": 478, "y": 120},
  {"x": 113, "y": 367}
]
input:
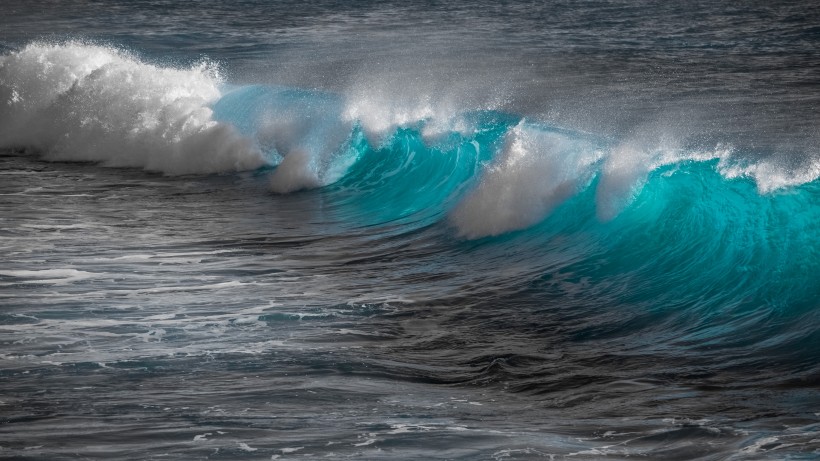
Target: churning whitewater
[{"x": 417, "y": 231}]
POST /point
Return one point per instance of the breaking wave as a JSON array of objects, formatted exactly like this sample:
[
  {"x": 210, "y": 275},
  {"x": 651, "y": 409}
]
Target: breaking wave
[{"x": 651, "y": 204}]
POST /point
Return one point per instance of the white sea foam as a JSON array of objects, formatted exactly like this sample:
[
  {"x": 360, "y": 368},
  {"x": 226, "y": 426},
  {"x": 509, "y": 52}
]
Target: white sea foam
[
  {"x": 540, "y": 168},
  {"x": 537, "y": 170},
  {"x": 245, "y": 447},
  {"x": 46, "y": 276},
  {"x": 381, "y": 113},
  {"x": 775, "y": 173},
  {"x": 300, "y": 131},
  {"x": 628, "y": 164},
  {"x": 383, "y": 103},
  {"x": 81, "y": 102}
]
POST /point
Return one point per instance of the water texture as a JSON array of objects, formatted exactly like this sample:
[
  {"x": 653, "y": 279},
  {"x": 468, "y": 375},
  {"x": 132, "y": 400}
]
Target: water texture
[{"x": 415, "y": 230}]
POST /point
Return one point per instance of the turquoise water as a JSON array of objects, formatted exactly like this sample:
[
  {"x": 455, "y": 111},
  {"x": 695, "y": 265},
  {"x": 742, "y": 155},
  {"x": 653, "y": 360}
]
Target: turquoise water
[{"x": 727, "y": 262}]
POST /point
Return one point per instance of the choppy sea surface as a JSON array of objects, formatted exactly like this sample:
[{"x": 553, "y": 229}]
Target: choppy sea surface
[{"x": 409, "y": 230}]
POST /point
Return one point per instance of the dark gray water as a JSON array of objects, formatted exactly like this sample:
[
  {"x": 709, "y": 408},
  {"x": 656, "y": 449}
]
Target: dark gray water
[{"x": 561, "y": 230}]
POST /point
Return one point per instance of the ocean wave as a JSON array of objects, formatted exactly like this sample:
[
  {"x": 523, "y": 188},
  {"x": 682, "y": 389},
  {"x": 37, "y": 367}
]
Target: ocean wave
[
  {"x": 488, "y": 172},
  {"x": 84, "y": 102}
]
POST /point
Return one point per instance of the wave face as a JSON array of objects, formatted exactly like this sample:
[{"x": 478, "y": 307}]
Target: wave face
[{"x": 439, "y": 246}]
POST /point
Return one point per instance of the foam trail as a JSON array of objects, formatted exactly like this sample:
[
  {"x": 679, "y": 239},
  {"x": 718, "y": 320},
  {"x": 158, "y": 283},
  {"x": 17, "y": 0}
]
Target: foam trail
[{"x": 82, "y": 102}]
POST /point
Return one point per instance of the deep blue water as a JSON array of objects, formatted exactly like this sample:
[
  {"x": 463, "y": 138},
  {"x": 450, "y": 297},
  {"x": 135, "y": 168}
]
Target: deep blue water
[{"x": 411, "y": 230}]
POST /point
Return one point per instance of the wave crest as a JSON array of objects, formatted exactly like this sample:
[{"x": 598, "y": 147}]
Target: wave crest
[{"x": 82, "y": 102}]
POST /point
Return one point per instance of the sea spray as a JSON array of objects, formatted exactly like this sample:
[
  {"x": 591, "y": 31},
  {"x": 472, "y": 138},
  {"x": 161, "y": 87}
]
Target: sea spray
[{"x": 82, "y": 102}]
